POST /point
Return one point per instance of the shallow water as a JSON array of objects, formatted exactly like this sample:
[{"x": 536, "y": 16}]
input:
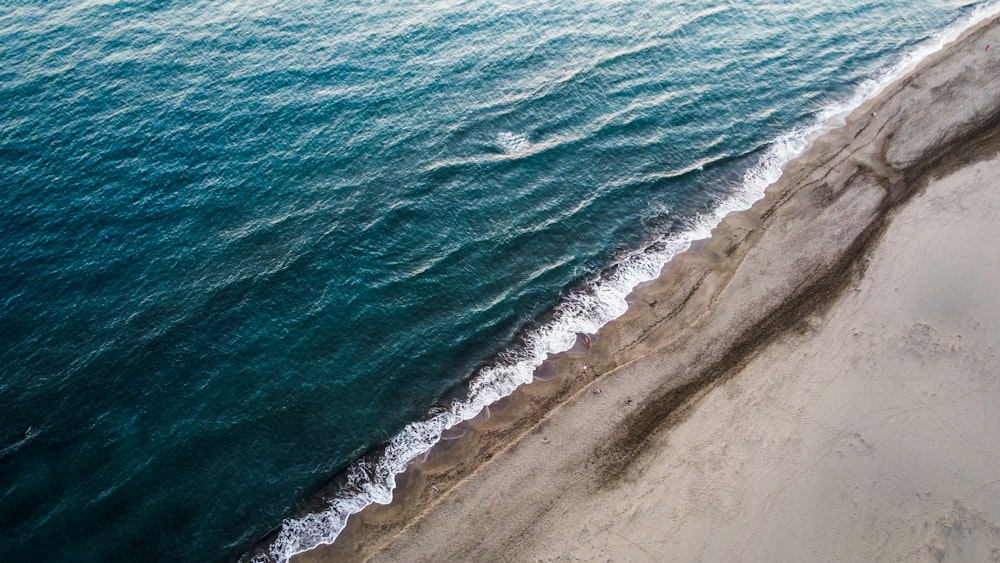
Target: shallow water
[{"x": 244, "y": 245}]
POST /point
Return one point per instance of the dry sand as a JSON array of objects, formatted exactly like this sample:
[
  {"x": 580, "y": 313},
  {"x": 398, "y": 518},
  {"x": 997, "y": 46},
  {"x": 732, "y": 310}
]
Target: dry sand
[{"x": 818, "y": 381}]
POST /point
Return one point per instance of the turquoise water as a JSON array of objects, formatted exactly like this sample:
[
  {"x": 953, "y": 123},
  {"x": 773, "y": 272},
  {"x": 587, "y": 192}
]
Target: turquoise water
[{"x": 242, "y": 246}]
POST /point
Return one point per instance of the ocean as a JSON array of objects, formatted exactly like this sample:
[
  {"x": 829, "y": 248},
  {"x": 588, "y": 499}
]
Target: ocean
[{"x": 245, "y": 244}]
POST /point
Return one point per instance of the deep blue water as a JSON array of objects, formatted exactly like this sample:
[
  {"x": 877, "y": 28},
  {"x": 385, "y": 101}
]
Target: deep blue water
[{"x": 243, "y": 244}]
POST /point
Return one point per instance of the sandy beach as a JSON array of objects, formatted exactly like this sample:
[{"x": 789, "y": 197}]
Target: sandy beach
[{"x": 816, "y": 381}]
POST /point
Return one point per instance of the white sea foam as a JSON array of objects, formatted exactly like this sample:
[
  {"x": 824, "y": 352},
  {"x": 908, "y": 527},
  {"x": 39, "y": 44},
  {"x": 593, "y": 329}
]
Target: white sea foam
[
  {"x": 586, "y": 311},
  {"x": 513, "y": 143}
]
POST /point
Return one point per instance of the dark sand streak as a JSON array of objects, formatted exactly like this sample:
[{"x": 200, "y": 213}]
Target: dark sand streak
[{"x": 671, "y": 404}]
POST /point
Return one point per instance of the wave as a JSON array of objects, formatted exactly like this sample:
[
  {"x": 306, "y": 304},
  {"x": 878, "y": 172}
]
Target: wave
[
  {"x": 29, "y": 435},
  {"x": 513, "y": 143},
  {"x": 373, "y": 479}
]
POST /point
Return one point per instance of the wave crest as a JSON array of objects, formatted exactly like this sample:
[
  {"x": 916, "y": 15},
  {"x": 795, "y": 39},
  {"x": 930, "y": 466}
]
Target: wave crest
[{"x": 513, "y": 143}]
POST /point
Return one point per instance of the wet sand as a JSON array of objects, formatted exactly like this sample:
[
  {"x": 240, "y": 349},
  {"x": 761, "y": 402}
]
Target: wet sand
[{"x": 818, "y": 380}]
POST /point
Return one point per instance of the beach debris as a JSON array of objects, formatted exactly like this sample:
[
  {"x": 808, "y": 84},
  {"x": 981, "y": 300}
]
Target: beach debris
[
  {"x": 586, "y": 340},
  {"x": 596, "y": 391},
  {"x": 987, "y": 47}
]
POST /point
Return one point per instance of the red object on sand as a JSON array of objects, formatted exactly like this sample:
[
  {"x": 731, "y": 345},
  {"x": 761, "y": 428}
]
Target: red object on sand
[{"x": 987, "y": 47}]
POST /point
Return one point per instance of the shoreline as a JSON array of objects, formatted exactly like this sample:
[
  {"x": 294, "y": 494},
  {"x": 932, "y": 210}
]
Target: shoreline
[{"x": 707, "y": 314}]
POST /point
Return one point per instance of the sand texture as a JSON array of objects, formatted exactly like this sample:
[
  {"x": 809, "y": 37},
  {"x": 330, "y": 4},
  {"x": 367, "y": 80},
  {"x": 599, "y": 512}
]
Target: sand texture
[{"x": 817, "y": 381}]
